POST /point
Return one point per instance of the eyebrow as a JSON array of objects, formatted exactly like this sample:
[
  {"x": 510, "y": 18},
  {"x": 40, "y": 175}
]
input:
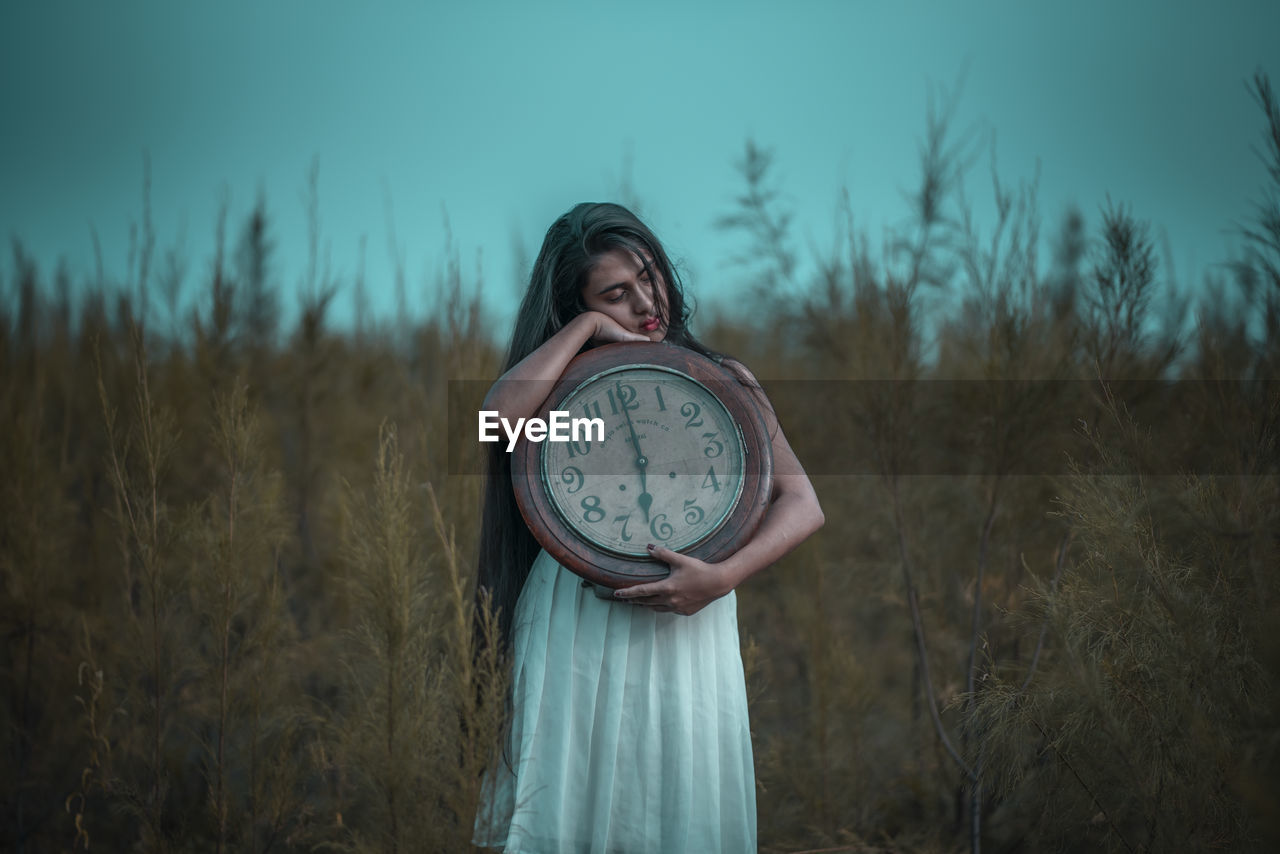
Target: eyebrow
[{"x": 646, "y": 265}]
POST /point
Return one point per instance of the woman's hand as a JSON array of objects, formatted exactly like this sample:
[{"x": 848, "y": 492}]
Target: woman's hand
[
  {"x": 607, "y": 330},
  {"x": 691, "y": 586}
]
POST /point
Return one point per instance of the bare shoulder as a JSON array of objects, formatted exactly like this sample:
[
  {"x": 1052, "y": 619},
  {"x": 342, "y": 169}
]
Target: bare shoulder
[{"x": 734, "y": 366}]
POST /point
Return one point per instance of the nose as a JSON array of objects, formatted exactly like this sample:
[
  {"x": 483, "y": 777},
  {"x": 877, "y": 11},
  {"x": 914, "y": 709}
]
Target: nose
[{"x": 644, "y": 299}]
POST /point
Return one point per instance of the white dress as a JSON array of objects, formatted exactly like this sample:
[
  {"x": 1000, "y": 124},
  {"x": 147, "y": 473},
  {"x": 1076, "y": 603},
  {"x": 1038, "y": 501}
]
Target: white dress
[{"x": 629, "y": 728}]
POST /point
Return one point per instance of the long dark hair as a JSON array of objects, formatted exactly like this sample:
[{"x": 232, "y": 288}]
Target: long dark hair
[{"x": 572, "y": 247}]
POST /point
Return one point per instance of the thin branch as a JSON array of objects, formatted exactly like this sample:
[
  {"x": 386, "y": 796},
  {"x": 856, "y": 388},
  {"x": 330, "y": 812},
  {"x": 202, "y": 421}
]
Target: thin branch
[
  {"x": 1044, "y": 626},
  {"x": 1083, "y": 784},
  {"x": 917, "y": 626}
]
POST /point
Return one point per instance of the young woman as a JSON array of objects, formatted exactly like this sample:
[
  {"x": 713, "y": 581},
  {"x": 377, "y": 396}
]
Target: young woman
[{"x": 629, "y": 727}]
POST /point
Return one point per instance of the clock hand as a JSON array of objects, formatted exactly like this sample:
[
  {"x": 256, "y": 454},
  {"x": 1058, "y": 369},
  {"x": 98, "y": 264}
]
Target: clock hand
[{"x": 644, "y": 499}]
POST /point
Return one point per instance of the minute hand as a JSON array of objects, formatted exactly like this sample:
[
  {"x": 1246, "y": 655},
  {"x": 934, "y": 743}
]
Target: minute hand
[{"x": 644, "y": 499}]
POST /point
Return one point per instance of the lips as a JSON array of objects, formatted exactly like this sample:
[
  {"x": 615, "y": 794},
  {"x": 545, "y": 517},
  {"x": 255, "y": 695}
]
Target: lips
[{"x": 651, "y": 325}]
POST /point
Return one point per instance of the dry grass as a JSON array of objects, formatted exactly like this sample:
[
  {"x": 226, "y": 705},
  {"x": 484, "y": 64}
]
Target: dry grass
[{"x": 237, "y": 574}]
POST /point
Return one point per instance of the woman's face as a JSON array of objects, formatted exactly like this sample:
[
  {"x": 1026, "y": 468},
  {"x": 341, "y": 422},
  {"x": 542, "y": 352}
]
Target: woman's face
[{"x": 619, "y": 287}]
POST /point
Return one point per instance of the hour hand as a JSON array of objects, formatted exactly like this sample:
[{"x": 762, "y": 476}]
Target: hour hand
[{"x": 644, "y": 499}]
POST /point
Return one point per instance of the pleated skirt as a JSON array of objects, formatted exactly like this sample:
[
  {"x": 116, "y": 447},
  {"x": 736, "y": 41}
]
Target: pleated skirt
[{"x": 629, "y": 729}]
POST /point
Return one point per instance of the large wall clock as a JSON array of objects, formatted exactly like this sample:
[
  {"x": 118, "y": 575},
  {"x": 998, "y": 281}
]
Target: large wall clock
[{"x": 685, "y": 462}]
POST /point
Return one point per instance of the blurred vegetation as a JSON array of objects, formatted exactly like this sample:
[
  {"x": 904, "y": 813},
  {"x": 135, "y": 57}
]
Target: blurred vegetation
[{"x": 237, "y": 574}]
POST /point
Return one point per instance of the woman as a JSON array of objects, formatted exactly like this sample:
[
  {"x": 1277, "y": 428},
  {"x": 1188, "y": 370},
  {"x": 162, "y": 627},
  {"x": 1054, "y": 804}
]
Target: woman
[{"x": 629, "y": 727}]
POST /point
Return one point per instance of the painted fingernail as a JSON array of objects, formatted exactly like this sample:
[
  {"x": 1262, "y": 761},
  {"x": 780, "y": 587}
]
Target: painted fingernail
[{"x": 651, "y": 547}]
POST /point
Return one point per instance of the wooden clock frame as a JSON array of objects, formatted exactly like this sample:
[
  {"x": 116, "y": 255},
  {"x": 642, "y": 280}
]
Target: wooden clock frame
[{"x": 610, "y": 569}]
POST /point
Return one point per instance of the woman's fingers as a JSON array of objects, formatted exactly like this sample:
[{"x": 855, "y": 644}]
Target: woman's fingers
[
  {"x": 653, "y": 588},
  {"x": 671, "y": 594},
  {"x": 609, "y": 330},
  {"x": 641, "y": 592},
  {"x": 656, "y": 595},
  {"x": 675, "y": 560}
]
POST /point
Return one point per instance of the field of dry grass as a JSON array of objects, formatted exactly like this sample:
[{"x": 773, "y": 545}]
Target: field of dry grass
[{"x": 238, "y": 573}]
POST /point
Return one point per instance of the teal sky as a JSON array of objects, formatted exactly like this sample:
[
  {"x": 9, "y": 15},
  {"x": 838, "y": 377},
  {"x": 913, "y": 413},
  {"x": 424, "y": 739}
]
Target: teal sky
[{"x": 504, "y": 114}]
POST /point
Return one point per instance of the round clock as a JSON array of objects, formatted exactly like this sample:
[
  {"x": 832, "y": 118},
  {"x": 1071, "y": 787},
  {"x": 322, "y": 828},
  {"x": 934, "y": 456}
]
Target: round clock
[{"x": 663, "y": 446}]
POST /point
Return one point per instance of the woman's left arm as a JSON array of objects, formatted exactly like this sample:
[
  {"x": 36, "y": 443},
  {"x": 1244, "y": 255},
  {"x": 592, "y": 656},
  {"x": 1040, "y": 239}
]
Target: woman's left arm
[{"x": 793, "y": 515}]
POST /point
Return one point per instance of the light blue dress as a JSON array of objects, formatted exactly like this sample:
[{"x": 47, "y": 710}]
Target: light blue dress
[{"x": 629, "y": 730}]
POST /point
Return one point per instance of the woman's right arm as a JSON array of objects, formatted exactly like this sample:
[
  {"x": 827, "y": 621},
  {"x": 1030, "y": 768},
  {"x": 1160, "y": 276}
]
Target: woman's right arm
[{"x": 520, "y": 391}]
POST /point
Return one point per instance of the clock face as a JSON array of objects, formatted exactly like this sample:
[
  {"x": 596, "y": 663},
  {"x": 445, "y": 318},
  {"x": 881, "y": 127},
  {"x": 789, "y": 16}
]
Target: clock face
[
  {"x": 684, "y": 461},
  {"x": 668, "y": 471}
]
